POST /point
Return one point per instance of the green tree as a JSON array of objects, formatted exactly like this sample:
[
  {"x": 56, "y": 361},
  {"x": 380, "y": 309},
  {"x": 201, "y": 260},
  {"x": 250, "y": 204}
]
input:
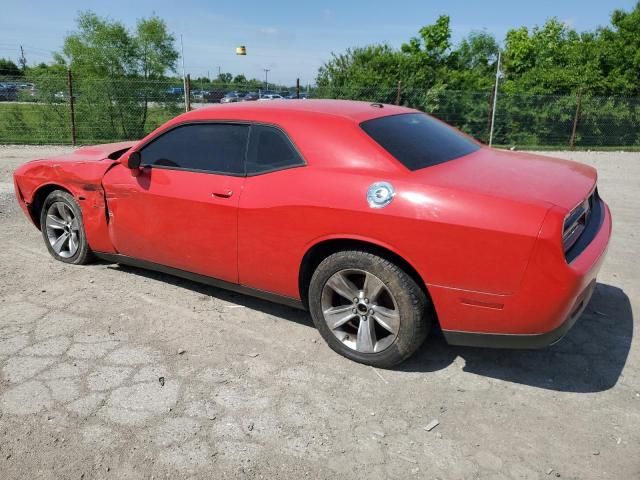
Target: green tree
[
  {"x": 240, "y": 79},
  {"x": 117, "y": 73},
  {"x": 551, "y": 59},
  {"x": 225, "y": 78},
  {"x": 545, "y": 70},
  {"x": 620, "y": 58},
  {"x": 155, "y": 48},
  {"x": 354, "y": 73},
  {"x": 9, "y": 69}
]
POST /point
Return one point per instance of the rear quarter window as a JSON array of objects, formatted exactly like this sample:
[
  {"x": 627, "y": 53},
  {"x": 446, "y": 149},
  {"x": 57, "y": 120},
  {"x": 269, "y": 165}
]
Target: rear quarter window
[
  {"x": 270, "y": 150},
  {"x": 417, "y": 140}
]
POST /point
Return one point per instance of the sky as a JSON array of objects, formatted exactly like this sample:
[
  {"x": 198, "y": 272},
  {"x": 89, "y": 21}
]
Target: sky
[{"x": 291, "y": 39}]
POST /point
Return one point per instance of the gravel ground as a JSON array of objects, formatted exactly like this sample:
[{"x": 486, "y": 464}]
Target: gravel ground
[{"x": 114, "y": 372}]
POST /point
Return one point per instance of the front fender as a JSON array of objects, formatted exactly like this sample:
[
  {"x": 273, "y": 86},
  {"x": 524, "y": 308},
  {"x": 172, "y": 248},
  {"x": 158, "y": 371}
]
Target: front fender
[{"x": 83, "y": 180}]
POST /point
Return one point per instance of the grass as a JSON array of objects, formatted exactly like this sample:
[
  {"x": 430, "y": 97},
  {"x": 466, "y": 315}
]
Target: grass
[{"x": 50, "y": 124}]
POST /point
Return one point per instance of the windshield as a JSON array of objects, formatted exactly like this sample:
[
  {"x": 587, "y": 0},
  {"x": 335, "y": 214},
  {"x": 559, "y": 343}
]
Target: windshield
[{"x": 418, "y": 140}]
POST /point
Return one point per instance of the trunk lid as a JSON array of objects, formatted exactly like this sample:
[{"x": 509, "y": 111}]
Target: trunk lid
[{"x": 515, "y": 176}]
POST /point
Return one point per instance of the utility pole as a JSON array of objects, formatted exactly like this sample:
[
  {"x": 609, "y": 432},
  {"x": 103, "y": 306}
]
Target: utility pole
[
  {"x": 184, "y": 77},
  {"x": 23, "y": 59},
  {"x": 188, "y": 92},
  {"x": 495, "y": 98},
  {"x": 266, "y": 77}
]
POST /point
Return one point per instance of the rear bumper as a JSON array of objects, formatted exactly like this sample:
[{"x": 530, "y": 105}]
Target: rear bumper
[
  {"x": 553, "y": 294},
  {"x": 522, "y": 341}
]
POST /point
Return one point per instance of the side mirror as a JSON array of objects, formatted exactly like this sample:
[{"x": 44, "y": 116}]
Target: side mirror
[{"x": 134, "y": 160}]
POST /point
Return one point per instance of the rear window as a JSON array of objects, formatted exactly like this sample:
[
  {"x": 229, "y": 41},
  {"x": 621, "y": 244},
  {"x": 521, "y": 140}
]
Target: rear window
[{"x": 418, "y": 140}]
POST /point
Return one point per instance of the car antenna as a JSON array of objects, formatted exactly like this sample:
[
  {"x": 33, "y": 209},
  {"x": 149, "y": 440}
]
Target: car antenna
[{"x": 377, "y": 105}]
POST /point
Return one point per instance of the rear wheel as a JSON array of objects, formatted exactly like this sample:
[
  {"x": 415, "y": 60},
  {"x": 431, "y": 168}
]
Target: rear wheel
[
  {"x": 63, "y": 229},
  {"x": 368, "y": 309}
]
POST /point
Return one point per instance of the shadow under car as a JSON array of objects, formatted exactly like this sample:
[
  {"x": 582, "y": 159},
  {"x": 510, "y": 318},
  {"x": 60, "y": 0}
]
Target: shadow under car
[{"x": 590, "y": 358}]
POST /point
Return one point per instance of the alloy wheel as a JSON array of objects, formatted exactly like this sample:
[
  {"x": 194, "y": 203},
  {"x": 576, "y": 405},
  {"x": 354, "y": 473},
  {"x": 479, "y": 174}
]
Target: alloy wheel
[
  {"x": 360, "y": 310},
  {"x": 63, "y": 229}
]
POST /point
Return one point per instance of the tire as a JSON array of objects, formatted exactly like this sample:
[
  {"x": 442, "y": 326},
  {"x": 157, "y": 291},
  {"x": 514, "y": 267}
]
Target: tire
[
  {"x": 392, "y": 337},
  {"x": 61, "y": 215}
]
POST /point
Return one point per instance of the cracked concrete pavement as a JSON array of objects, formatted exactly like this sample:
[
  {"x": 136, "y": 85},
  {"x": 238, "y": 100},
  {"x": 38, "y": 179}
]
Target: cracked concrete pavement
[{"x": 115, "y": 372}]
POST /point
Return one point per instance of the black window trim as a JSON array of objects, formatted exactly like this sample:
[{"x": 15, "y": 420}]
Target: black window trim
[{"x": 247, "y": 123}]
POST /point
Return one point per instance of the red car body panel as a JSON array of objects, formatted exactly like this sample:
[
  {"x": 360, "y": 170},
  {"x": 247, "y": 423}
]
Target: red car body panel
[
  {"x": 484, "y": 231},
  {"x": 175, "y": 218}
]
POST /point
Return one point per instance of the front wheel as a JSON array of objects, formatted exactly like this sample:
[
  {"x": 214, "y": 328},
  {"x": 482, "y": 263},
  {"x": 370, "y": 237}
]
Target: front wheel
[
  {"x": 368, "y": 308},
  {"x": 63, "y": 229}
]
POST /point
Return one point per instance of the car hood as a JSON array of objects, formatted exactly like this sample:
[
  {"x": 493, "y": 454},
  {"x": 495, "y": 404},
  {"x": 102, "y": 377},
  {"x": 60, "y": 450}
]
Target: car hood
[
  {"x": 518, "y": 176},
  {"x": 96, "y": 152},
  {"x": 83, "y": 167}
]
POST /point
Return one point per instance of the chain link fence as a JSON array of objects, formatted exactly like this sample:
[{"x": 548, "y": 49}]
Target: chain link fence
[
  {"x": 66, "y": 109},
  {"x": 521, "y": 120}
]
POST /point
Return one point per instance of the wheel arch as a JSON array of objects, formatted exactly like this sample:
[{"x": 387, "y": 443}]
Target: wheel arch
[
  {"x": 38, "y": 197},
  {"x": 322, "y": 249}
]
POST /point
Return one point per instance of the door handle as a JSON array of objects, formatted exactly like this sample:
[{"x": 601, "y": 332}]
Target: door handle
[{"x": 224, "y": 194}]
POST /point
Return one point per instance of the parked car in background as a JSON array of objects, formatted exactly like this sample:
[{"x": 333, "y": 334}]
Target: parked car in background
[
  {"x": 214, "y": 96},
  {"x": 271, "y": 96},
  {"x": 231, "y": 97},
  {"x": 251, "y": 97},
  {"x": 379, "y": 219},
  {"x": 294, "y": 96},
  {"x": 8, "y": 92},
  {"x": 198, "y": 94},
  {"x": 175, "y": 91}
]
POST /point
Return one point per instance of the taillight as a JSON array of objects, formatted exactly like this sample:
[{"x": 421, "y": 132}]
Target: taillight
[{"x": 576, "y": 221}]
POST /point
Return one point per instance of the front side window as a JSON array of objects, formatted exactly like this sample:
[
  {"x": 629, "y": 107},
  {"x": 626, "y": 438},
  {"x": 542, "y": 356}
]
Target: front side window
[
  {"x": 217, "y": 148},
  {"x": 417, "y": 140},
  {"x": 270, "y": 149}
]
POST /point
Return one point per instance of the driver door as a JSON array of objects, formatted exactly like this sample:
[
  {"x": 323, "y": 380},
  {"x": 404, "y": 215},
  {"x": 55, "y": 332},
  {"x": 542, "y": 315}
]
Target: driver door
[{"x": 181, "y": 209}]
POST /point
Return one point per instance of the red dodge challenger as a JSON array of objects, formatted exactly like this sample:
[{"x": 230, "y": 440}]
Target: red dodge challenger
[{"x": 379, "y": 219}]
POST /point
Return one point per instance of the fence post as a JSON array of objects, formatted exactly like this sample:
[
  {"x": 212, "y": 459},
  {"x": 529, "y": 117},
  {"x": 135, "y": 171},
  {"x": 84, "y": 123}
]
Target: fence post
[
  {"x": 187, "y": 93},
  {"x": 71, "y": 107},
  {"x": 495, "y": 100},
  {"x": 398, "y": 92},
  {"x": 572, "y": 140},
  {"x": 297, "y": 88}
]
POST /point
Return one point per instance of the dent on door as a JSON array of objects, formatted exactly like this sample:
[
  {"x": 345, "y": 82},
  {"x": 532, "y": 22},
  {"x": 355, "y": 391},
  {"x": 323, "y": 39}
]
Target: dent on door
[{"x": 182, "y": 219}]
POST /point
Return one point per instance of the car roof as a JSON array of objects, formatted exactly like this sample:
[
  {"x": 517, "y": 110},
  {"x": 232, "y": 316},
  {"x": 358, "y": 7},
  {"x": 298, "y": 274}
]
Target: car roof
[{"x": 349, "y": 109}]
